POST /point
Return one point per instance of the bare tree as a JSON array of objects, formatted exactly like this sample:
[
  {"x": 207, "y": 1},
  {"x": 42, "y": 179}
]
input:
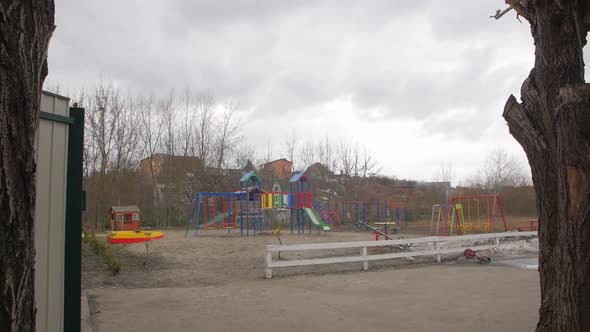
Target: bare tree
[
  {"x": 150, "y": 133},
  {"x": 25, "y": 30},
  {"x": 104, "y": 118},
  {"x": 446, "y": 172},
  {"x": 168, "y": 113},
  {"x": 243, "y": 155},
  {"x": 205, "y": 131},
  {"x": 103, "y": 113},
  {"x": 228, "y": 135},
  {"x": 90, "y": 149},
  {"x": 326, "y": 154},
  {"x": 268, "y": 156},
  {"x": 368, "y": 166},
  {"x": 291, "y": 147},
  {"x": 346, "y": 153},
  {"x": 126, "y": 137},
  {"x": 307, "y": 154},
  {"x": 552, "y": 125},
  {"x": 186, "y": 134},
  {"x": 168, "y": 191},
  {"x": 445, "y": 175},
  {"x": 501, "y": 169}
]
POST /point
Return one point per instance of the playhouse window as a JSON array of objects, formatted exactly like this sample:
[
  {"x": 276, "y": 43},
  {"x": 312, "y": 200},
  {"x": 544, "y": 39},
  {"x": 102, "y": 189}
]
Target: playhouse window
[
  {"x": 135, "y": 216},
  {"x": 119, "y": 217}
]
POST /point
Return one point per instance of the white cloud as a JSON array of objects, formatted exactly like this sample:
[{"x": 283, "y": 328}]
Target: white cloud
[{"x": 418, "y": 83}]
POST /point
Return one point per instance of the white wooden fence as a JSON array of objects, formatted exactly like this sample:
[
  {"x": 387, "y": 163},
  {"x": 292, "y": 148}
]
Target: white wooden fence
[{"x": 435, "y": 249}]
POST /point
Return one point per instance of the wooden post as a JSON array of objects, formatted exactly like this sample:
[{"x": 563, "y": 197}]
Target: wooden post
[
  {"x": 497, "y": 241},
  {"x": 268, "y": 264},
  {"x": 436, "y": 247},
  {"x": 364, "y": 254}
]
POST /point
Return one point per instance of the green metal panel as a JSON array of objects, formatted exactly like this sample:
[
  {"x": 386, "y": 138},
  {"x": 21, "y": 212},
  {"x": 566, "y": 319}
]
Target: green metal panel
[
  {"x": 56, "y": 117},
  {"x": 73, "y": 229}
]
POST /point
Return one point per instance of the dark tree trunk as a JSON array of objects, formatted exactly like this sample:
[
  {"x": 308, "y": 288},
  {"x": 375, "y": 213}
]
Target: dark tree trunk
[
  {"x": 25, "y": 30},
  {"x": 553, "y": 126}
]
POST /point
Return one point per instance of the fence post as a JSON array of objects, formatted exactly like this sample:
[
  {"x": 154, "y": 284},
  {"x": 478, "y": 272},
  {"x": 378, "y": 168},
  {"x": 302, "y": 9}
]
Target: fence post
[
  {"x": 364, "y": 254},
  {"x": 268, "y": 264},
  {"x": 436, "y": 247},
  {"x": 497, "y": 241}
]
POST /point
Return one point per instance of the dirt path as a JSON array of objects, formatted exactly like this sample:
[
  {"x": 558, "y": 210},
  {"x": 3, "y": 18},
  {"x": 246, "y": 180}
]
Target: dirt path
[
  {"x": 460, "y": 297},
  {"x": 216, "y": 283}
]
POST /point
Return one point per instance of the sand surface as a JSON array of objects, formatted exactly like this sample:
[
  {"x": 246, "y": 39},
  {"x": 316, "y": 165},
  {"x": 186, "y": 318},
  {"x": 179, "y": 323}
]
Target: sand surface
[{"x": 216, "y": 283}]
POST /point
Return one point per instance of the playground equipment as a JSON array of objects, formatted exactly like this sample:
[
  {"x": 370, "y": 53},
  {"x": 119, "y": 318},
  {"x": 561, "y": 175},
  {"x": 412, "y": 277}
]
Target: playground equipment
[
  {"x": 205, "y": 206},
  {"x": 137, "y": 236},
  {"x": 465, "y": 214},
  {"x": 250, "y": 203},
  {"x": 331, "y": 216},
  {"x": 300, "y": 197},
  {"x": 245, "y": 208},
  {"x": 241, "y": 209},
  {"x": 133, "y": 236},
  {"x": 532, "y": 225},
  {"x": 275, "y": 200},
  {"x": 316, "y": 219},
  {"x": 378, "y": 233},
  {"x": 438, "y": 219},
  {"x": 387, "y": 215}
]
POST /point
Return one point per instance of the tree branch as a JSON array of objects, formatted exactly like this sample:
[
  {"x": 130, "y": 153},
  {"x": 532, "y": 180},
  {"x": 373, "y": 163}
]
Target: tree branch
[
  {"x": 520, "y": 7},
  {"x": 520, "y": 125},
  {"x": 500, "y": 13}
]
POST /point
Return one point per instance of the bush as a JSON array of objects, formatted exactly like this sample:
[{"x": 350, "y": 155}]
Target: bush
[{"x": 104, "y": 251}]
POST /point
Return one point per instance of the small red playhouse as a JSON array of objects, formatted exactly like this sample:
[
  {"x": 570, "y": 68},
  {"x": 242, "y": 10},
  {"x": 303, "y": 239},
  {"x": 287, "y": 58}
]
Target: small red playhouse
[{"x": 125, "y": 218}]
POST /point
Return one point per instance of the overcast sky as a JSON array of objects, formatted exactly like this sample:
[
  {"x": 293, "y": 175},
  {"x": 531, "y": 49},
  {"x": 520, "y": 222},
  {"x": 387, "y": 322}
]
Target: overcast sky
[{"x": 417, "y": 82}]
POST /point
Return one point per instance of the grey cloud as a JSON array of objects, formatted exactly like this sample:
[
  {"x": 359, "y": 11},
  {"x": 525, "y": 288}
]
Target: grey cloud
[{"x": 277, "y": 56}]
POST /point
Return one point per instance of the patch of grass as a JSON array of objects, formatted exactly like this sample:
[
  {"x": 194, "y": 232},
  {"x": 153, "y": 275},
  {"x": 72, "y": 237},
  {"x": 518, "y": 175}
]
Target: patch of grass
[{"x": 104, "y": 251}]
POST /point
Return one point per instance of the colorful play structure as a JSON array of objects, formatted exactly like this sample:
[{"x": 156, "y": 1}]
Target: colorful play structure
[
  {"x": 137, "y": 236},
  {"x": 245, "y": 208},
  {"x": 467, "y": 214},
  {"x": 251, "y": 210},
  {"x": 126, "y": 226},
  {"x": 384, "y": 215},
  {"x": 229, "y": 210}
]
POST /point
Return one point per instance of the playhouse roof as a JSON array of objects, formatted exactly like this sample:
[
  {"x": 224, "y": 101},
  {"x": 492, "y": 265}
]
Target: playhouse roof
[
  {"x": 251, "y": 176},
  {"x": 127, "y": 208},
  {"x": 244, "y": 190},
  {"x": 300, "y": 176}
]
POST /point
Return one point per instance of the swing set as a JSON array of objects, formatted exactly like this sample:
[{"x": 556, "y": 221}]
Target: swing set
[
  {"x": 214, "y": 214},
  {"x": 332, "y": 217},
  {"x": 466, "y": 214}
]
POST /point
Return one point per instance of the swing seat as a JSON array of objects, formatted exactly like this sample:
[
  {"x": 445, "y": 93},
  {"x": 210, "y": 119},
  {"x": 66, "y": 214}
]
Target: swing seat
[
  {"x": 467, "y": 227},
  {"x": 483, "y": 228}
]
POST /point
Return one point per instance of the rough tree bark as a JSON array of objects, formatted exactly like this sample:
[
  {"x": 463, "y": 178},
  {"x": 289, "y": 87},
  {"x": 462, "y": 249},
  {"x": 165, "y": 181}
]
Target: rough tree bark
[
  {"x": 25, "y": 30},
  {"x": 553, "y": 126}
]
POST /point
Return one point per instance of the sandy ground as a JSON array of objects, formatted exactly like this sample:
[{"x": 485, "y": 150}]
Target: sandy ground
[{"x": 216, "y": 283}]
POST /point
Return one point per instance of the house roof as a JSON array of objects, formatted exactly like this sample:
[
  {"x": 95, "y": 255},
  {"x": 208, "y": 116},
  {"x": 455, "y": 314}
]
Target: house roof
[
  {"x": 251, "y": 176},
  {"x": 126, "y": 208},
  {"x": 274, "y": 161},
  {"x": 300, "y": 176}
]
